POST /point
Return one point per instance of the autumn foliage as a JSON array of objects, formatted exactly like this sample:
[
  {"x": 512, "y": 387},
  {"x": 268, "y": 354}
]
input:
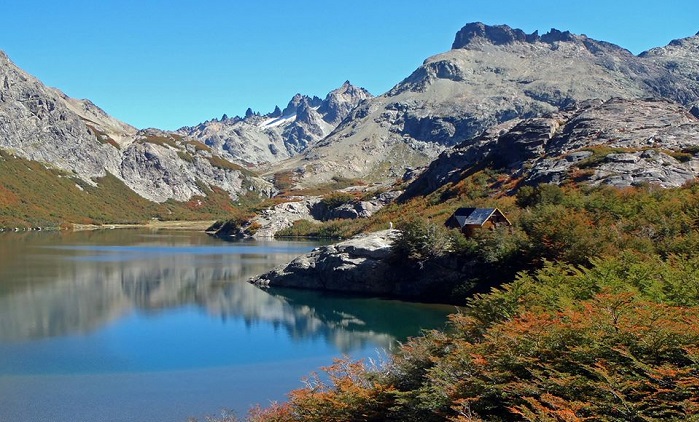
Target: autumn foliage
[
  {"x": 615, "y": 356},
  {"x": 600, "y": 323}
]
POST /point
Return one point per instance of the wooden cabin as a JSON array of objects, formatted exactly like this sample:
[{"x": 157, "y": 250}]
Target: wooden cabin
[{"x": 470, "y": 219}]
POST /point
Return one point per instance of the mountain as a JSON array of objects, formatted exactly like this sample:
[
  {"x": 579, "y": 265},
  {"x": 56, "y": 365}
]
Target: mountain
[
  {"x": 76, "y": 139},
  {"x": 618, "y": 142},
  {"x": 491, "y": 75},
  {"x": 679, "y": 57},
  {"x": 551, "y": 108},
  {"x": 275, "y": 136}
]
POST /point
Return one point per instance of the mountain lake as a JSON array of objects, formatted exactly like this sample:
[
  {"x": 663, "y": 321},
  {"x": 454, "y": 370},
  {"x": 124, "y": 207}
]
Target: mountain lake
[{"x": 137, "y": 325}]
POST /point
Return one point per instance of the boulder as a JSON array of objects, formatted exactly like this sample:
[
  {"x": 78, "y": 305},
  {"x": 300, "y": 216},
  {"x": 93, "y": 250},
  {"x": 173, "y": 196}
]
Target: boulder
[
  {"x": 354, "y": 210},
  {"x": 282, "y": 216},
  {"x": 357, "y": 265}
]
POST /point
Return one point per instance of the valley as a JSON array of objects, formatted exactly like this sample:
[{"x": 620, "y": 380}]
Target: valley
[{"x": 581, "y": 307}]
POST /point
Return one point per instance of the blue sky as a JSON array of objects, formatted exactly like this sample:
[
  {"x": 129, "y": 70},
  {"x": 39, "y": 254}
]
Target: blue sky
[{"x": 171, "y": 63}]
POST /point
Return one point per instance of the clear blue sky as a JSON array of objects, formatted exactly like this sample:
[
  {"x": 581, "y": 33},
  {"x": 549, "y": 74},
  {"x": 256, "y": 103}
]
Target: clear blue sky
[{"x": 170, "y": 63}]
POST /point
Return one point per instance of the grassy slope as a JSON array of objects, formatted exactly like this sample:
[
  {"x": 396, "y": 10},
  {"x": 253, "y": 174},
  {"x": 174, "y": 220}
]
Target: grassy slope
[{"x": 33, "y": 195}]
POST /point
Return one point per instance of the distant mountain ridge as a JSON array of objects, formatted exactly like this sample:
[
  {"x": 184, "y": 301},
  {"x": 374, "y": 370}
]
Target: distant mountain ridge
[{"x": 281, "y": 134}]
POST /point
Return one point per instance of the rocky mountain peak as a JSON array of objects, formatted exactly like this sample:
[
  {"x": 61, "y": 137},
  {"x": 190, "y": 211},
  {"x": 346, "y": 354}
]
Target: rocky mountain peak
[
  {"x": 296, "y": 102},
  {"x": 276, "y": 113},
  {"x": 496, "y": 34},
  {"x": 338, "y": 103},
  {"x": 280, "y": 134},
  {"x": 75, "y": 136},
  {"x": 674, "y": 46},
  {"x": 474, "y": 33},
  {"x": 679, "y": 60},
  {"x": 554, "y": 35},
  {"x": 293, "y": 104},
  {"x": 492, "y": 75}
]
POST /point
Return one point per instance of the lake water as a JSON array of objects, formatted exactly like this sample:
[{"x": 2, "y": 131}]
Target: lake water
[{"x": 132, "y": 325}]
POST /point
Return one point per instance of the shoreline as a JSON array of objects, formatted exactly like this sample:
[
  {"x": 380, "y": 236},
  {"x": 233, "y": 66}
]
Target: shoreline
[{"x": 155, "y": 225}]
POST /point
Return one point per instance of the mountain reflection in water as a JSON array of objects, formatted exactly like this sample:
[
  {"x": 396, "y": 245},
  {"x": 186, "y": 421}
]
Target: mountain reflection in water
[{"x": 58, "y": 284}]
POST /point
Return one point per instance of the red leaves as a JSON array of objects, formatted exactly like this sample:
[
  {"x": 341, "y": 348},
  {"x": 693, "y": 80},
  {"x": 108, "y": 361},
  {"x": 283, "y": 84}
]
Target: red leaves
[{"x": 614, "y": 356}]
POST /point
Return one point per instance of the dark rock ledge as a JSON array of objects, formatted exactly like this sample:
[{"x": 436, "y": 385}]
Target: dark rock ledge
[{"x": 365, "y": 265}]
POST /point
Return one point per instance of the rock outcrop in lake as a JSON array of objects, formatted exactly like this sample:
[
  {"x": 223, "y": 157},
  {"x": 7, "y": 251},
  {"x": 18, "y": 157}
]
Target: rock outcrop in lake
[{"x": 365, "y": 265}]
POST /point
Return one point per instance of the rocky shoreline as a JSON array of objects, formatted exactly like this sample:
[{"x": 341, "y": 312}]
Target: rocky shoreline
[
  {"x": 366, "y": 265},
  {"x": 268, "y": 222}
]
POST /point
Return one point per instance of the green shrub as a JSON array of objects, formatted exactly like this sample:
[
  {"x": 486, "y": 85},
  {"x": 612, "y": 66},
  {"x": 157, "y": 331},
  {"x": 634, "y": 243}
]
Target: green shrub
[
  {"x": 421, "y": 239},
  {"x": 335, "y": 199}
]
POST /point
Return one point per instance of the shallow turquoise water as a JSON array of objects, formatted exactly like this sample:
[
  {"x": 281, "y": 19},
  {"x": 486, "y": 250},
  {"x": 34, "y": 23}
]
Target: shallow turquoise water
[{"x": 129, "y": 325}]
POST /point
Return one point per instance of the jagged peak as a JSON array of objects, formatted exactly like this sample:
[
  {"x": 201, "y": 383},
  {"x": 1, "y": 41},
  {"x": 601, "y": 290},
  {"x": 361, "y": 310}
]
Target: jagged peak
[
  {"x": 276, "y": 113},
  {"x": 294, "y": 104},
  {"x": 496, "y": 34},
  {"x": 348, "y": 88},
  {"x": 554, "y": 35},
  {"x": 504, "y": 34}
]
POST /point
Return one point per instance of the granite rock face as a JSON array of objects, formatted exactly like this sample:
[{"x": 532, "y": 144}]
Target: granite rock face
[
  {"x": 177, "y": 169},
  {"x": 37, "y": 123},
  {"x": 269, "y": 221},
  {"x": 283, "y": 215},
  {"x": 679, "y": 58},
  {"x": 357, "y": 265},
  {"x": 352, "y": 211},
  {"x": 281, "y": 134},
  {"x": 492, "y": 75},
  {"x": 616, "y": 142},
  {"x": 633, "y": 142}
]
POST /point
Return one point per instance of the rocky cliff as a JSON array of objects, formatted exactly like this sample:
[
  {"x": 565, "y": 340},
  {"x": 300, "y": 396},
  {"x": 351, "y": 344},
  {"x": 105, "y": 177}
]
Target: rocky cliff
[
  {"x": 280, "y": 134},
  {"x": 617, "y": 142},
  {"x": 39, "y": 124},
  {"x": 679, "y": 58},
  {"x": 492, "y": 74},
  {"x": 43, "y": 124}
]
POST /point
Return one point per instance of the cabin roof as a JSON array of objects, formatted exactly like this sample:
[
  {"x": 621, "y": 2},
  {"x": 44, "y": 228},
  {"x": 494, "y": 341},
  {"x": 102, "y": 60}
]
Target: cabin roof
[{"x": 475, "y": 216}]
